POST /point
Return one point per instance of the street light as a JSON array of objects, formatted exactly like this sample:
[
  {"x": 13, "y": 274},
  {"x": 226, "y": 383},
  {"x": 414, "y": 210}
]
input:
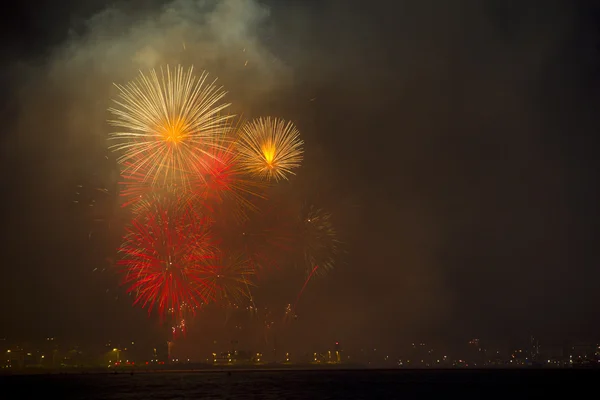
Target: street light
[{"x": 118, "y": 355}]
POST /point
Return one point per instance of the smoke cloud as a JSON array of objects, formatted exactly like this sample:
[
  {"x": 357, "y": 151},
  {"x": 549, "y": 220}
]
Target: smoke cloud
[{"x": 58, "y": 131}]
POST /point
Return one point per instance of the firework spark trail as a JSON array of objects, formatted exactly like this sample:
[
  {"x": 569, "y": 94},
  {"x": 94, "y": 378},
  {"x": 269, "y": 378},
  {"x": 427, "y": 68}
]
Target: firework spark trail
[
  {"x": 250, "y": 294},
  {"x": 167, "y": 122},
  {"x": 270, "y": 148},
  {"x": 304, "y": 286}
]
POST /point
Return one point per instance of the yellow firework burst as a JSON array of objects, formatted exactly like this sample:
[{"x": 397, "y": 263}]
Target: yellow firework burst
[
  {"x": 270, "y": 148},
  {"x": 167, "y": 119}
]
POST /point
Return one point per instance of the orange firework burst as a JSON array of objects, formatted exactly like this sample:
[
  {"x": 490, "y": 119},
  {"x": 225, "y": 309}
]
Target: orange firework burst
[
  {"x": 270, "y": 148},
  {"x": 169, "y": 120}
]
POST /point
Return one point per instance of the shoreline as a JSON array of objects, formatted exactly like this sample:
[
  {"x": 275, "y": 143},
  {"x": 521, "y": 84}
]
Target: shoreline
[
  {"x": 296, "y": 368},
  {"x": 167, "y": 369}
]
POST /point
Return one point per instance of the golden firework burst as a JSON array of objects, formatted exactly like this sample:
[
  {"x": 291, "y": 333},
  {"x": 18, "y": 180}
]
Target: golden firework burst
[
  {"x": 270, "y": 148},
  {"x": 168, "y": 121}
]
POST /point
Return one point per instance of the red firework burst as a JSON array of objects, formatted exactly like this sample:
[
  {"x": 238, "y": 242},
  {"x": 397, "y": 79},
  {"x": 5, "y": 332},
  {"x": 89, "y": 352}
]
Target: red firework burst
[
  {"x": 219, "y": 179},
  {"x": 164, "y": 250},
  {"x": 216, "y": 177}
]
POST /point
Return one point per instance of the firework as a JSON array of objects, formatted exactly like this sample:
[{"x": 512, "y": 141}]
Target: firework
[
  {"x": 163, "y": 252},
  {"x": 317, "y": 239},
  {"x": 228, "y": 279},
  {"x": 220, "y": 179},
  {"x": 310, "y": 275},
  {"x": 140, "y": 196},
  {"x": 189, "y": 173},
  {"x": 267, "y": 239},
  {"x": 270, "y": 148},
  {"x": 134, "y": 186},
  {"x": 181, "y": 317},
  {"x": 97, "y": 206},
  {"x": 170, "y": 202},
  {"x": 289, "y": 314},
  {"x": 95, "y": 192},
  {"x": 168, "y": 120},
  {"x": 94, "y": 202}
]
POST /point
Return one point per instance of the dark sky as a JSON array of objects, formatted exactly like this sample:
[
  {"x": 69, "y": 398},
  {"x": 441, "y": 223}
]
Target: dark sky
[{"x": 454, "y": 143}]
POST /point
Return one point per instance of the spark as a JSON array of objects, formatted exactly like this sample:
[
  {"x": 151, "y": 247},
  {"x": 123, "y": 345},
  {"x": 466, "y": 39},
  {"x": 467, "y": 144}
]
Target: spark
[{"x": 304, "y": 286}]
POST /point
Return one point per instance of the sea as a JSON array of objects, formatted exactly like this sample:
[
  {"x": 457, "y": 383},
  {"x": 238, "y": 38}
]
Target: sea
[{"x": 313, "y": 385}]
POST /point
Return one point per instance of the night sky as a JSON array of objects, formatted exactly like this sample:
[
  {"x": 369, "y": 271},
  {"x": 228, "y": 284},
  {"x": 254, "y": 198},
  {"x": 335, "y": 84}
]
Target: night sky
[{"x": 453, "y": 142}]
